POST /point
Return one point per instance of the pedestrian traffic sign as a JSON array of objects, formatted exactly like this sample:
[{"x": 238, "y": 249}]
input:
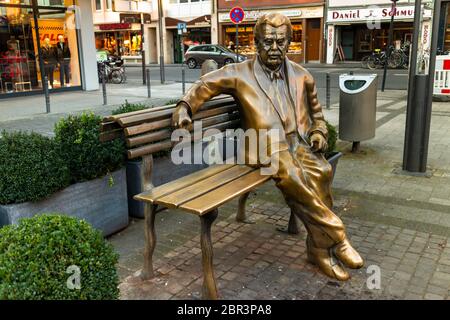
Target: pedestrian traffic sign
[
  {"x": 237, "y": 15},
  {"x": 181, "y": 25}
]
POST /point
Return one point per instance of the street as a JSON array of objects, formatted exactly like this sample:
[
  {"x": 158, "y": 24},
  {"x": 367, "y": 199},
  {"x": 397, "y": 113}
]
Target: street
[{"x": 396, "y": 79}]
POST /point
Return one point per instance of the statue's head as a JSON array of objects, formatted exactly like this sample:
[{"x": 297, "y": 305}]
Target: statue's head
[{"x": 273, "y": 34}]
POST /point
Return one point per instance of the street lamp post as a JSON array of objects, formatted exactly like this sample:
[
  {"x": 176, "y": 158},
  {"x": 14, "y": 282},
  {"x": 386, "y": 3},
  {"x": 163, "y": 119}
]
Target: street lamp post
[
  {"x": 161, "y": 42},
  {"x": 420, "y": 97},
  {"x": 143, "y": 49}
]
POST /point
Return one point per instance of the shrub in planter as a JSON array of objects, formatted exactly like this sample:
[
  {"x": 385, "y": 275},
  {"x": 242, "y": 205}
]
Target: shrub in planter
[
  {"x": 129, "y": 107},
  {"x": 31, "y": 167},
  {"x": 332, "y": 139},
  {"x": 38, "y": 256},
  {"x": 87, "y": 158}
]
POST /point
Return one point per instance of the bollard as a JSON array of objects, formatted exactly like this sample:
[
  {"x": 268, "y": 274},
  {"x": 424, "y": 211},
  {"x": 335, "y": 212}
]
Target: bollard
[
  {"x": 328, "y": 98},
  {"x": 183, "y": 79},
  {"x": 47, "y": 95},
  {"x": 149, "y": 90},
  {"x": 105, "y": 101}
]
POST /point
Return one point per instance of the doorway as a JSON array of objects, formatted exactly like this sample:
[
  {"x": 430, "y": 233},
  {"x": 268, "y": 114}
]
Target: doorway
[
  {"x": 313, "y": 42},
  {"x": 347, "y": 42}
]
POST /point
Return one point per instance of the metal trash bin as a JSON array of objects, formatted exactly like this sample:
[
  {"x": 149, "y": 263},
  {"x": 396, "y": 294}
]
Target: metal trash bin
[{"x": 357, "y": 107}]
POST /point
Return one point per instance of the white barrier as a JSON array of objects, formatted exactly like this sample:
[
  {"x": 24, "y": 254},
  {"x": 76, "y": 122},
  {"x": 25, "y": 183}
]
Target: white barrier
[{"x": 442, "y": 76}]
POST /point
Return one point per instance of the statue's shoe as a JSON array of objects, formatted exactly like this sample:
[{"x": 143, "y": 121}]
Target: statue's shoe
[
  {"x": 326, "y": 263},
  {"x": 348, "y": 255}
]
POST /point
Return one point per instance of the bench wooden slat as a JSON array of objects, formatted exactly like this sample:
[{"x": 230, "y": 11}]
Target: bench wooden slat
[
  {"x": 148, "y": 138},
  {"x": 186, "y": 181},
  {"x": 149, "y": 149},
  {"x": 151, "y": 126},
  {"x": 166, "y": 133},
  {"x": 225, "y": 193},
  {"x": 145, "y": 117},
  {"x": 216, "y": 102},
  {"x": 146, "y": 127},
  {"x": 133, "y": 113},
  {"x": 177, "y": 198},
  {"x": 109, "y": 126},
  {"x": 110, "y": 135}
]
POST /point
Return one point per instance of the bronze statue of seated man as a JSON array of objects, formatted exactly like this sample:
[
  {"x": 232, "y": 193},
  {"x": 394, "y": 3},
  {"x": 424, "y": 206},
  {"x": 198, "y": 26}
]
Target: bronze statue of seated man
[{"x": 276, "y": 93}]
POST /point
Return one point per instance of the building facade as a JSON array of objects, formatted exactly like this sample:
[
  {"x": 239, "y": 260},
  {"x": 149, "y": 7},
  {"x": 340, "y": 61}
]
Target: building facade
[
  {"x": 307, "y": 20},
  {"x": 197, "y": 16},
  {"x": 42, "y": 39},
  {"x": 119, "y": 26},
  {"x": 355, "y": 29}
]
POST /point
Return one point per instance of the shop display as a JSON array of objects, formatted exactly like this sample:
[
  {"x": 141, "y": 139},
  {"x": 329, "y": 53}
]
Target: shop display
[
  {"x": 247, "y": 43},
  {"x": 26, "y": 58},
  {"x": 63, "y": 60}
]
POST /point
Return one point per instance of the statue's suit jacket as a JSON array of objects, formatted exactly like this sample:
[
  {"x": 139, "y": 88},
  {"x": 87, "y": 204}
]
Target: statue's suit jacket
[{"x": 251, "y": 87}]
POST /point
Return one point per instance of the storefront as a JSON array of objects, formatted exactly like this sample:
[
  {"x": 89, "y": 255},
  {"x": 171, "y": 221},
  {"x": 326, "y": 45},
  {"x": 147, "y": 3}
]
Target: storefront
[
  {"x": 307, "y": 24},
  {"x": 198, "y": 32},
  {"x": 38, "y": 40},
  {"x": 355, "y": 33},
  {"x": 122, "y": 39}
]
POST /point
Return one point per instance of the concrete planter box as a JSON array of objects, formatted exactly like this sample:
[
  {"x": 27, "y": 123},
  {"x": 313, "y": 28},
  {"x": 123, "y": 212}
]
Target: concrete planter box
[{"x": 105, "y": 207}]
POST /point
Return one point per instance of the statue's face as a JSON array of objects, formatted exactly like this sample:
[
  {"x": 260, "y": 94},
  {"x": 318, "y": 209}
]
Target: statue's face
[{"x": 273, "y": 45}]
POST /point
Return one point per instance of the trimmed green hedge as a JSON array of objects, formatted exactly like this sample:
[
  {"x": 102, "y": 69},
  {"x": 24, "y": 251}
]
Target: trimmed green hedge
[
  {"x": 130, "y": 107},
  {"x": 35, "y": 256},
  {"x": 332, "y": 138},
  {"x": 87, "y": 158},
  {"x": 31, "y": 167}
]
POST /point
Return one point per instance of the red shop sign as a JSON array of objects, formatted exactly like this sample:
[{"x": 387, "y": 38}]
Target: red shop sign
[{"x": 115, "y": 26}]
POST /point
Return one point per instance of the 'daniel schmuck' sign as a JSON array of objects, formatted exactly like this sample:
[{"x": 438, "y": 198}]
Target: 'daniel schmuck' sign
[{"x": 373, "y": 13}]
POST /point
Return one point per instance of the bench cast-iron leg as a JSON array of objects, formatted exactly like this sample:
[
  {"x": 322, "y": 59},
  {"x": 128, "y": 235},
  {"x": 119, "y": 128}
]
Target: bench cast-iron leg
[
  {"x": 209, "y": 281},
  {"x": 241, "y": 215},
  {"x": 150, "y": 240},
  {"x": 292, "y": 227}
]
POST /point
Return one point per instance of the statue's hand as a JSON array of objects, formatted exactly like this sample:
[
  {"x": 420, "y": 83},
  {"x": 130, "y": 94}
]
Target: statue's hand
[
  {"x": 318, "y": 143},
  {"x": 181, "y": 118}
]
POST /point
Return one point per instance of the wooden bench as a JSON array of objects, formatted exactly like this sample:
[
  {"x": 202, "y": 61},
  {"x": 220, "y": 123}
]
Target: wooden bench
[{"x": 201, "y": 193}]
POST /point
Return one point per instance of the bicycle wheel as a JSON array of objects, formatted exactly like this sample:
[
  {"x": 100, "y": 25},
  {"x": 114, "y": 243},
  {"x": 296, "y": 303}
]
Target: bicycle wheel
[
  {"x": 372, "y": 62},
  {"x": 364, "y": 62},
  {"x": 116, "y": 77},
  {"x": 395, "y": 60}
]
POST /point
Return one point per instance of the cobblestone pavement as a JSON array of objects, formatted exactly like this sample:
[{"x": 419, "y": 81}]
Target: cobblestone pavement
[
  {"x": 398, "y": 222},
  {"x": 257, "y": 262}
]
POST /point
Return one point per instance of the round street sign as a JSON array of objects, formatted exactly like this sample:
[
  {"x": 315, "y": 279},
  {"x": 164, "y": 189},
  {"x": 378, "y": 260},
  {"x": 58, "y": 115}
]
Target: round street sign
[{"x": 237, "y": 15}]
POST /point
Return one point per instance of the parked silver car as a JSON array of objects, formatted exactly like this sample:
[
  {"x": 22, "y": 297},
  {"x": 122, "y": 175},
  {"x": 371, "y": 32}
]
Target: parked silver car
[{"x": 196, "y": 55}]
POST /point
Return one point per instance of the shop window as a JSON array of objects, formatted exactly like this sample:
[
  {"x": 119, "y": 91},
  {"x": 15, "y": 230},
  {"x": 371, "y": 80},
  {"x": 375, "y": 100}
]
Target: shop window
[
  {"x": 25, "y": 58},
  {"x": 297, "y": 39}
]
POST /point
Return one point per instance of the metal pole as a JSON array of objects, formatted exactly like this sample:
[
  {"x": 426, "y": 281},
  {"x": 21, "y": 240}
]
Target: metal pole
[
  {"x": 389, "y": 44},
  {"x": 183, "y": 71},
  {"x": 143, "y": 49},
  {"x": 105, "y": 99},
  {"x": 420, "y": 95},
  {"x": 237, "y": 43},
  {"x": 328, "y": 98},
  {"x": 161, "y": 43},
  {"x": 47, "y": 94},
  {"x": 149, "y": 89}
]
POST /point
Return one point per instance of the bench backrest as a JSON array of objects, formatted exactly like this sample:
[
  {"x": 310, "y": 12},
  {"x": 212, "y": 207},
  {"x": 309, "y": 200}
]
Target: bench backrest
[{"x": 149, "y": 131}]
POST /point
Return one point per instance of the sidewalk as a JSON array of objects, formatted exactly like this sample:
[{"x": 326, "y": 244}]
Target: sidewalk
[
  {"x": 399, "y": 223},
  {"x": 28, "y": 113}
]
